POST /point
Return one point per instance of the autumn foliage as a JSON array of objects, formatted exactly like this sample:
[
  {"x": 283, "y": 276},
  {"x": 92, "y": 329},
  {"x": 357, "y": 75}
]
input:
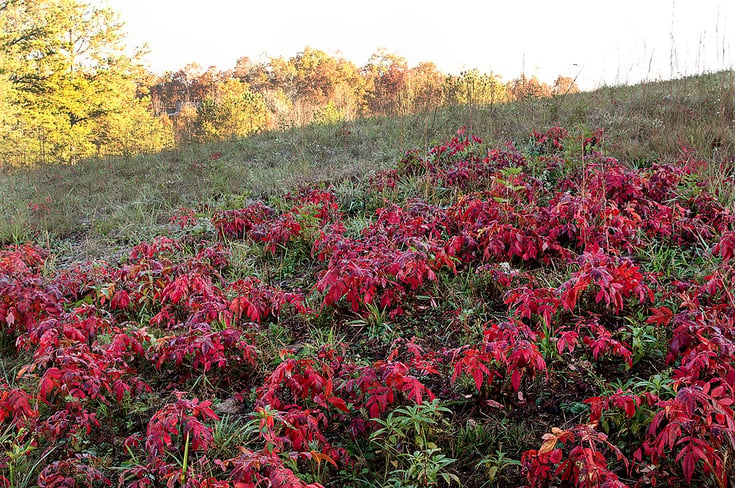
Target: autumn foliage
[{"x": 123, "y": 367}]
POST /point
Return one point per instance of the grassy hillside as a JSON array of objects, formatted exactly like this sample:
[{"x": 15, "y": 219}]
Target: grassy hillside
[
  {"x": 541, "y": 298},
  {"x": 97, "y": 206}
]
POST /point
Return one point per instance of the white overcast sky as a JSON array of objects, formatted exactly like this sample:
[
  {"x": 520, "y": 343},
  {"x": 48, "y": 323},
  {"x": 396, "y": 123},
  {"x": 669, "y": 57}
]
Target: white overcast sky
[{"x": 601, "y": 42}]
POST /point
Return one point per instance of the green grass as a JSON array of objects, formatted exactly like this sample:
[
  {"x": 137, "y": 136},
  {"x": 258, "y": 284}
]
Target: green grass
[{"x": 100, "y": 207}]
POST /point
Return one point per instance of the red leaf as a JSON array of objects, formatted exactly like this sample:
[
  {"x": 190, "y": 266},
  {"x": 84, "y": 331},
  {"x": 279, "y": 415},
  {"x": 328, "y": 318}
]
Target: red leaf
[
  {"x": 339, "y": 404},
  {"x": 515, "y": 379},
  {"x": 478, "y": 376},
  {"x": 661, "y": 316}
]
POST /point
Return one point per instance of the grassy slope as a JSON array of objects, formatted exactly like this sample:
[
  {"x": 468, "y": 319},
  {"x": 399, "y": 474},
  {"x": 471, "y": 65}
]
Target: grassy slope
[
  {"x": 96, "y": 207},
  {"x": 99, "y": 209}
]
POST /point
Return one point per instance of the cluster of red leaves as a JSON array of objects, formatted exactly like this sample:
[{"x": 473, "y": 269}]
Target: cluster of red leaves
[
  {"x": 105, "y": 335},
  {"x": 87, "y": 348},
  {"x": 689, "y": 435},
  {"x": 584, "y": 464},
  {"x": 330, "y": 384},
  {"x": 177, "y": 427},
  {"x": 508, "y": 346},
  {"x": 25, "y": 298},
  {"x": 550, "y": 141},
  {"x": 394, "y": 255},
  {"x": 596, "y": 215},
  {"x": 257, "y": 301},
  {"x": 487, "y": 228},
  {"x": 263, "y": 224}
]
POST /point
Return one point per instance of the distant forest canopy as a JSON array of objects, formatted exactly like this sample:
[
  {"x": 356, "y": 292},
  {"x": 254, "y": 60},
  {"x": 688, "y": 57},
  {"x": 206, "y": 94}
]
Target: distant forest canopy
[{"x": 70, "y": 90}]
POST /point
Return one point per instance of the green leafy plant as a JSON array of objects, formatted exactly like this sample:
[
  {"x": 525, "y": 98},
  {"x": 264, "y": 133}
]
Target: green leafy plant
[
  {"x": 406, "y": 437},
  {"x": 496, "y": 464}
]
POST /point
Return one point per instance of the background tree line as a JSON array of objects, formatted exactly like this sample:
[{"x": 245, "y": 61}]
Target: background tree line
[{"x": 70, "y": 90}]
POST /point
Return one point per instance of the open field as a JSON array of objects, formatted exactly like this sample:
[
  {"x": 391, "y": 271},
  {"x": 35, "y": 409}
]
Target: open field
[
  {"x": 536, "y": 293},
  {"x": 111, "y": 203}
]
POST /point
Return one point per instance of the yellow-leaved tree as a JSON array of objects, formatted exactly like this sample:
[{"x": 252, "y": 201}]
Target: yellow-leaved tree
[
  {"x": 69, "y": 89},
  {"x": 232, "y": 111},
  {"x": 475, "y": 88}
]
